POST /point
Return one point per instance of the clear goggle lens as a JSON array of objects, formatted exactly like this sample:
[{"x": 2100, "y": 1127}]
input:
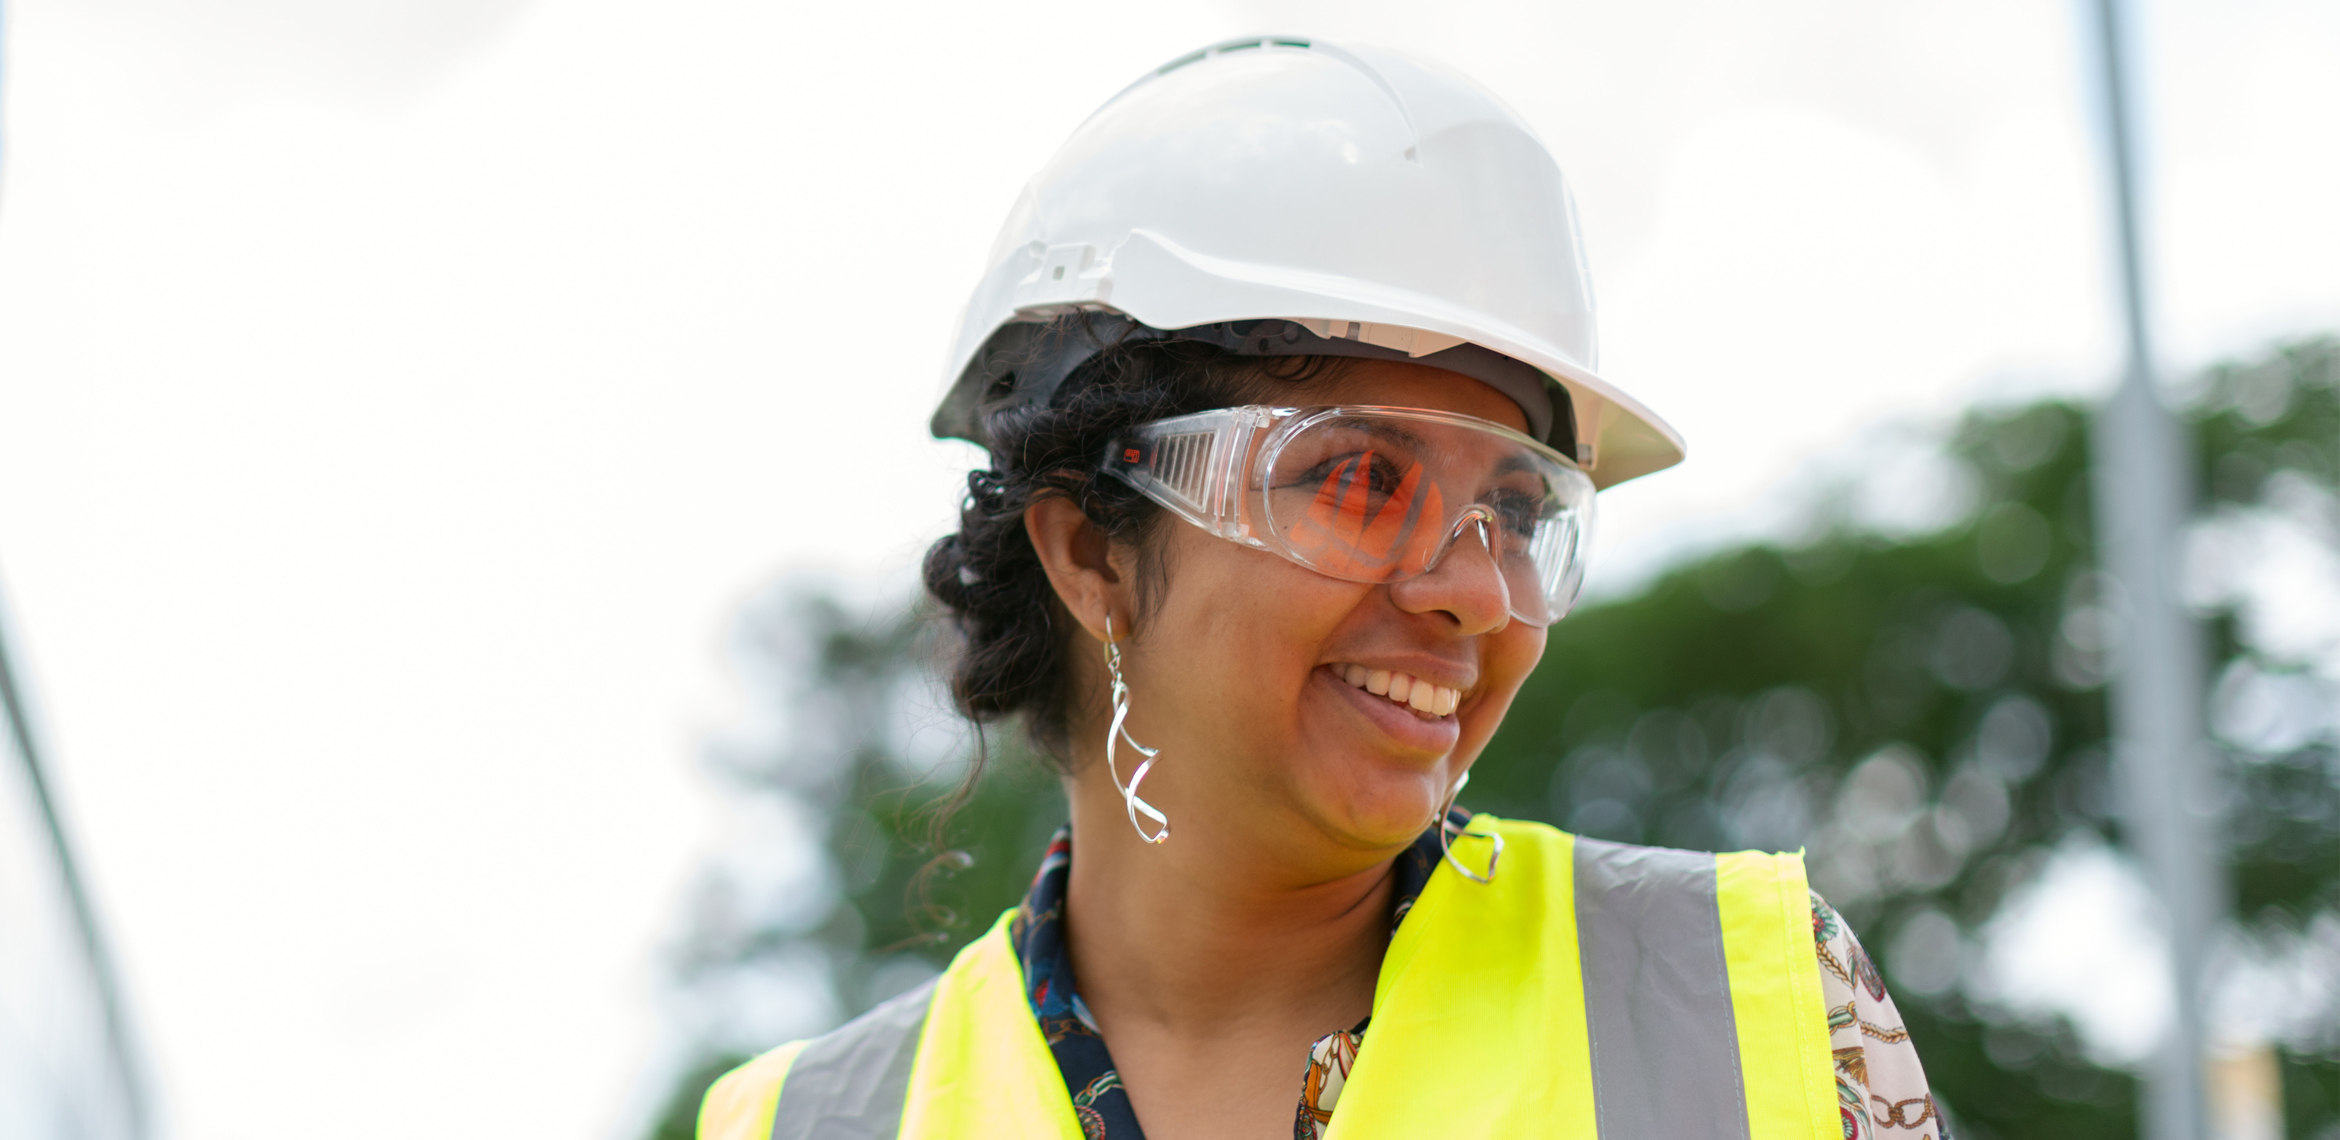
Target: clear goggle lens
[{"x": 1372, "y": 494}]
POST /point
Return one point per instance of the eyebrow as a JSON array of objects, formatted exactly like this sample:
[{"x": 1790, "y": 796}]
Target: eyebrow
[{"x": 1383, "y": 429}]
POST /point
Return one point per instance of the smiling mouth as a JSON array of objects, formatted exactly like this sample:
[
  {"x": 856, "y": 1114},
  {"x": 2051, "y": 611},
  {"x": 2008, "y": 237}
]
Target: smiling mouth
[{"x": 1401, "y": 688}]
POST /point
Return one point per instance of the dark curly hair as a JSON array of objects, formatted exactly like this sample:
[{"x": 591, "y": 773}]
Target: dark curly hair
[{"x": 1013, "y": 631}]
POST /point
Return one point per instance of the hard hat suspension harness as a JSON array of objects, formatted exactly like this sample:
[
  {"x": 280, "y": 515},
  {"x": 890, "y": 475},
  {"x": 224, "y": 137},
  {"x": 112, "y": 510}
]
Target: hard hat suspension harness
[{"x": 1026, "y": 363}]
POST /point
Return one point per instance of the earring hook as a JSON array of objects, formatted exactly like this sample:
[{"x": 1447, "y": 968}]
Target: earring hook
[
  {"x": 1448, "y": 828},
  {"x": 1119, "y": 731}
]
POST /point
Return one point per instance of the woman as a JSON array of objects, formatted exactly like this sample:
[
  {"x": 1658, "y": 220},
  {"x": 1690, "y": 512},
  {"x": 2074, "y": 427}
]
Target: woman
[{"x": 1285, "y": 367}]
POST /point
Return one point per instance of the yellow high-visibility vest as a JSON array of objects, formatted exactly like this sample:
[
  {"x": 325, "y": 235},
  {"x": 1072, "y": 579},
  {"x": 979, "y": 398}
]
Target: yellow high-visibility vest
[{"x": 1593, "y": 991}]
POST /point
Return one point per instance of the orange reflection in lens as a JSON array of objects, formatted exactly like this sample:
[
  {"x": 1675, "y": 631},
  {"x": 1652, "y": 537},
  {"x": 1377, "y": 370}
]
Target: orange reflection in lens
[{"x": 1337, "y": 532}]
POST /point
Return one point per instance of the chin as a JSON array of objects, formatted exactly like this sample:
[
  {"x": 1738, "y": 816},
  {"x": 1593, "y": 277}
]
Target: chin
[{"x": 1374, "y": 810}]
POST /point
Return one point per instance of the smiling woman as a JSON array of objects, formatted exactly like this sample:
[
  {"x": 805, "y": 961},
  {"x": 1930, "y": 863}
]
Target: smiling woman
[{"x": 1285, "y": 370}]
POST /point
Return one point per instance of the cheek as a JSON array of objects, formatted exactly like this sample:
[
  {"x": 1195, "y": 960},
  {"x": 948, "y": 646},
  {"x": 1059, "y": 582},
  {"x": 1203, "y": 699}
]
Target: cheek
[
  {"x": 1508, "y": 658},
  {"x": 1238, "y": 637},
  {"x": 1514, "y": 653}
]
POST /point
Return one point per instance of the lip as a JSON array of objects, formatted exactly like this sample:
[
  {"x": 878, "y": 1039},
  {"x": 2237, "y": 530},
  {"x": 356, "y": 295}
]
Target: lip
[{"x": 1416, "y": 733}]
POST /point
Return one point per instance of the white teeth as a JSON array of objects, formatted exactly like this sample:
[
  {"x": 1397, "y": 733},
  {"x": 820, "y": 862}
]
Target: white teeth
[{"x": 1437, "y": 700}]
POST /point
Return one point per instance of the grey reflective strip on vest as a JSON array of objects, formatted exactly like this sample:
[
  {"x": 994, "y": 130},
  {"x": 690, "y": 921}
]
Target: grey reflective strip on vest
[
  {"x": 851, "y": 1084},
  {"x": 1657, "y": 995}
]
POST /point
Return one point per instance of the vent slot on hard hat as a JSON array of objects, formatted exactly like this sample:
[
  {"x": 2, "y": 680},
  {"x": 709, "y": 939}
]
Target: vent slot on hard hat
[{"x": 1246, "y": 43}]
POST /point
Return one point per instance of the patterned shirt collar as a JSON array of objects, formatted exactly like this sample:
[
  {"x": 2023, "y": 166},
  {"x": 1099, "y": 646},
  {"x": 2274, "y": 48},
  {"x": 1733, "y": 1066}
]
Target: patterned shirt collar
[{"x": 1037, "y": 933}]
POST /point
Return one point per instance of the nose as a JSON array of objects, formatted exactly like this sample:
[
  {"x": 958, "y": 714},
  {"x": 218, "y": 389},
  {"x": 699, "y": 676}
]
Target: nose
[{"x": 1464, "y": 581}]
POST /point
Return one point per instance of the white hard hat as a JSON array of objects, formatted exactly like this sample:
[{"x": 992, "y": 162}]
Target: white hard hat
[{"x": 1364, "y": 196}]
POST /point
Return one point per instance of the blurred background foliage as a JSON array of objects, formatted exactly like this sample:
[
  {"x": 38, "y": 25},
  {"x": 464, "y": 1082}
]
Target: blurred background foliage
[{"x": 1923, "y": 713}]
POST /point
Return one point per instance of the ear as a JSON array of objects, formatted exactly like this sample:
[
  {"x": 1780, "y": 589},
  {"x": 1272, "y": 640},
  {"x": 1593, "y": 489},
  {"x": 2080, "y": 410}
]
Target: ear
[{"x": 1080, "y": 563}]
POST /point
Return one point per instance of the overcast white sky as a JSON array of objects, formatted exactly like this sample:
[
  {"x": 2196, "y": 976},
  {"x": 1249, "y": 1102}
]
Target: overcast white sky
[{"x": 398, "y": 396}]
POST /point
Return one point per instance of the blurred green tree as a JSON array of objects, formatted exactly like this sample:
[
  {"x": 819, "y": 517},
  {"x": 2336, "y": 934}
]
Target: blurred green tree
[{"x": 1923, "y": 713}]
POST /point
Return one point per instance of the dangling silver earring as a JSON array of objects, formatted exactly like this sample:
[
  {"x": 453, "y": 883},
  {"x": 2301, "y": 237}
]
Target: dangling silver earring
[
  {"x": 1448, "y": 828},
  {"x": 1119, "y": 732}
]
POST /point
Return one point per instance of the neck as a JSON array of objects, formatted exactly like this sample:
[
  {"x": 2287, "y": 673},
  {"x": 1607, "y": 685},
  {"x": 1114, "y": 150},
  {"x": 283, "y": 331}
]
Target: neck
[{"x": 1208, "y": 933}]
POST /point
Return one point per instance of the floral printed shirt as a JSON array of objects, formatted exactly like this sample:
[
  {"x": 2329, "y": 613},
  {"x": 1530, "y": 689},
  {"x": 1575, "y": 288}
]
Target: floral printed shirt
[{"x": 1881, "y": 1090}]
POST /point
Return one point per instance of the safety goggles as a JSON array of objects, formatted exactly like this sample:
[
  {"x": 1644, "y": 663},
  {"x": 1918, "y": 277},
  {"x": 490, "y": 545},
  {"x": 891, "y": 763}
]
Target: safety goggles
[{"x": 1369, "y": 494}]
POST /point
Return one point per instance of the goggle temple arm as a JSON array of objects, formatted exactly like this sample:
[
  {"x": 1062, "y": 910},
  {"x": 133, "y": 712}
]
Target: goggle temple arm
[{"x": 1193, "y": 464}]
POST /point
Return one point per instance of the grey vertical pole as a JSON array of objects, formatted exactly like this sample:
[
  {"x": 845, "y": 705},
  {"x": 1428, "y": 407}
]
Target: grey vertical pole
[
  {"x": 2144, "y": 484},
  {"x": 127, "y": 1068}
]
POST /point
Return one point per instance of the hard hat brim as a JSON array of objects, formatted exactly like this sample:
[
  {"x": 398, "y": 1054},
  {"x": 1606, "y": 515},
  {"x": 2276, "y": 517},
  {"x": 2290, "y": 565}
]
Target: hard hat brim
[{"x": 1150, "y": 279}]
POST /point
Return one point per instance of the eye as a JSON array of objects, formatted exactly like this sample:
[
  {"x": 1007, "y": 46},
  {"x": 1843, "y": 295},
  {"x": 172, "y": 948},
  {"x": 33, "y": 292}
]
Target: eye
[
  {"x": 1520, "y": 512},
  {"x": 1380, "y": 475}
]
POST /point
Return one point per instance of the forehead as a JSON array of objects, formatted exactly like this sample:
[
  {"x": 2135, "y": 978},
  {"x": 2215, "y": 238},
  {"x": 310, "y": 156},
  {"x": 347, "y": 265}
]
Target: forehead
[{"x": 1402, "y": 384}]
